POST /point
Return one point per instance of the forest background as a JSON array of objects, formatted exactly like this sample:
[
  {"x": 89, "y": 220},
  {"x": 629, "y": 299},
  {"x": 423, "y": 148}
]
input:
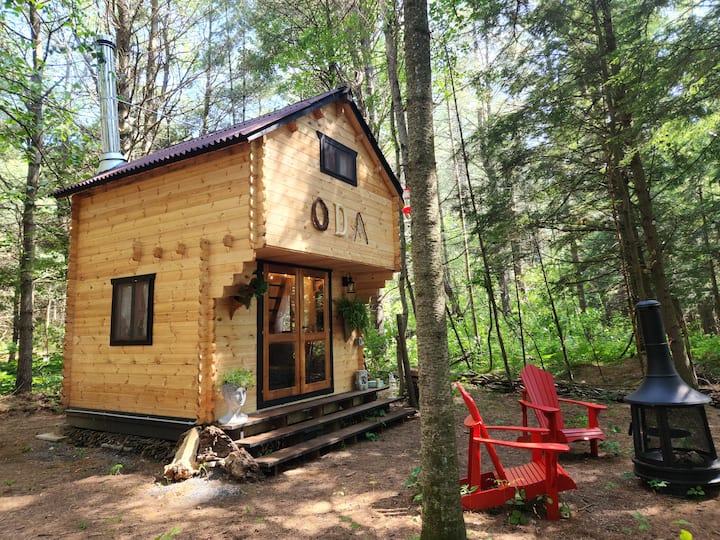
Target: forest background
[{"x": 577, "y": 146}]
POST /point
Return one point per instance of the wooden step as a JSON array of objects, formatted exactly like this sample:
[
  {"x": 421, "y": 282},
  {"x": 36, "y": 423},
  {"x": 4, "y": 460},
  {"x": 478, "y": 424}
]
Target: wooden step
[
  {"x": 279, "y": 412},
  {"x": 272, "y": 461},
  {"x": 313, "y": 424}
]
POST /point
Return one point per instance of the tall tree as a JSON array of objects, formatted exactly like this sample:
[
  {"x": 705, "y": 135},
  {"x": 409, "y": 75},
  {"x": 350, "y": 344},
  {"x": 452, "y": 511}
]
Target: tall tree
[
  {"x": 34, "y": 116},
  {"x": 594, "y": 82},
  {"x": 322, "y": 45},
  {"x": 442, "y": 512},
  {"x": 152, "y": 69}
]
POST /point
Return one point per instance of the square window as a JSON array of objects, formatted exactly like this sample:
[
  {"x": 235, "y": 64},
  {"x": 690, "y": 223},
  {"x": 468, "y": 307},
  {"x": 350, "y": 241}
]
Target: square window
[
  {"x": 337, "y": 160},
  {"x": 132, "y": 310}
]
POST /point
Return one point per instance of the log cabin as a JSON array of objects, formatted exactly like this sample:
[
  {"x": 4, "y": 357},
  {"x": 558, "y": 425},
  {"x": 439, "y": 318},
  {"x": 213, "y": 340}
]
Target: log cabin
[{"x": 161, "y": 249}]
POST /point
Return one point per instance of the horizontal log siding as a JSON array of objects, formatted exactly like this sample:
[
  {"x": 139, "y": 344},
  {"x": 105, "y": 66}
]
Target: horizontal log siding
[
  {"x": 293, "y": 180},
  {"x": 236, "y": 346},
  {"x": 178, "y": 223}
]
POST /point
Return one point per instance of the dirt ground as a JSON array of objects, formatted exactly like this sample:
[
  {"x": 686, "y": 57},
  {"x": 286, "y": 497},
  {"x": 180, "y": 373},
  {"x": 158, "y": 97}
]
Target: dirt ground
[{"x": 59, "y": 490}]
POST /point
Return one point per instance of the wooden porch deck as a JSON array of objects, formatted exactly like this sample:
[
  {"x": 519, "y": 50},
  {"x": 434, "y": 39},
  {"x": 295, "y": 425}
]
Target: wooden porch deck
[{"x": 280, "y": 435}]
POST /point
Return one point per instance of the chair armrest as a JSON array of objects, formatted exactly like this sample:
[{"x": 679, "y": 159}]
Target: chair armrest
[
  {"x": 593, "y": 410},
  {"x": 524, "y": 429},
  {"x": 547, "y": 447},
  {"x": 470, "y": 422},
  {"x": 587, "y": 404},
  {"x": 543, "y": 408}
]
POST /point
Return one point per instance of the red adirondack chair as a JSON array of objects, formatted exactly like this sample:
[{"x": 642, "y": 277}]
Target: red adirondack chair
[
  {"x": 539, "y": 395},
  {"x": 542, "y": 475}
]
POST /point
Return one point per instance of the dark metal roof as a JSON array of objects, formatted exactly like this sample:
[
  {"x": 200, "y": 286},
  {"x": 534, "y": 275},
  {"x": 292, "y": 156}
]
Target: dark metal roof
[{"x": 244, "y": 132}]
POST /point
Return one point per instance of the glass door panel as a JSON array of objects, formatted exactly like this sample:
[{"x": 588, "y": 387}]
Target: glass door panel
[
  {"x": 281, "y": 366},
  {"x": 296, "y": 357},
  {"x": 315, "y": 368},
  {"x": 315, "y": 337},
  {"x": 280, "y": 356}
]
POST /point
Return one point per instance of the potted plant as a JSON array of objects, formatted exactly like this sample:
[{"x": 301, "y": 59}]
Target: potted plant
[
  {"x": 355, "y": 316},
  {"x": 256, "y": 287},
  {"x": 234, "y": 386}
]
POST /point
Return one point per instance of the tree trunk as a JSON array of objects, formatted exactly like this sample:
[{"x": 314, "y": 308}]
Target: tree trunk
[
  {"x": 715, "y": 308},
  {"x": 671, "y": 314},
  {"x": 461, "y": 204},
  {"x": 556, "y": 318},
  {"x": 399, "y": 128},
  {"x": 579, "y": 285},
  {"x": 442, "y": 512},
  {"x": 23, "y": 380},
  {"x": 622, "y": 142}
]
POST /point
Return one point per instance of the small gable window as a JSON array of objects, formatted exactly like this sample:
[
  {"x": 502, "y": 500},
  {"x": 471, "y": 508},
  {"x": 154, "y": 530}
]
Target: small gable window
[
  {"x": 132, "y": 310},
  {"x": 337, "y": 160}
]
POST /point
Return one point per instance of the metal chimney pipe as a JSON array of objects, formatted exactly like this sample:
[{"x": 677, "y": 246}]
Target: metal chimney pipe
[{"x": 109, "y": 125}]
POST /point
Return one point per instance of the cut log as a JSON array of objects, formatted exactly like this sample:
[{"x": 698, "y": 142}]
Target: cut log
[
  {"x": 214, "y": 445},
  {"x": 241, "y": 465},
  {"x": 185, "y": 463}
]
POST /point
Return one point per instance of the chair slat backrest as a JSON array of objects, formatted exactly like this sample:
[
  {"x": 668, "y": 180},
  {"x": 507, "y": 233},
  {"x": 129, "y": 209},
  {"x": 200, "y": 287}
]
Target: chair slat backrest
[
  {"x": 540, "y": 390},
  {"x": 483, "y": 432}
]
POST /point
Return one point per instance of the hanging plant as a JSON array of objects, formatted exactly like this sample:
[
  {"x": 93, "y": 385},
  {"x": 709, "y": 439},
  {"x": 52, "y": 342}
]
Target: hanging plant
[
  {"x": 255, "y": 288},
  {"x": 354, "y": 313}
]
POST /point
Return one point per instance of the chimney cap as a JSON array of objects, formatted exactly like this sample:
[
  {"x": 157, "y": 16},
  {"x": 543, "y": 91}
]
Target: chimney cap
[{"x": 662, "y": 384}]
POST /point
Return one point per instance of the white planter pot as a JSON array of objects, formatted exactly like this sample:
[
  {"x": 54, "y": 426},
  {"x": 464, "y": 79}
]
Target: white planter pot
[{"x": 234, "y": 399}]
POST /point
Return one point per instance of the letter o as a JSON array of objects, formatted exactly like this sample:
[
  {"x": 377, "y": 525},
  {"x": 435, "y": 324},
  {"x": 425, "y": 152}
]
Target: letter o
[{"x": 320, "y": 222}]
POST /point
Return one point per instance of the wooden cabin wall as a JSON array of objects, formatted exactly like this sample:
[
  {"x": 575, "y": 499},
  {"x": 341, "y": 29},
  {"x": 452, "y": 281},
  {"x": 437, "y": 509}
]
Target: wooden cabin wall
[
  {"x": 293, "y": 181},
  {"x": 187, "y": 223},
  {"x": 235, "y": 346},
  {"x": 348, "y": 357}
]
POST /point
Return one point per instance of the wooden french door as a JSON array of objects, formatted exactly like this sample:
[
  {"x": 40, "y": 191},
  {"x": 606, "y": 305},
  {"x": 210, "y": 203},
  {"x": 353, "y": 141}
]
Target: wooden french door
[{"x": 296, "y": 332}]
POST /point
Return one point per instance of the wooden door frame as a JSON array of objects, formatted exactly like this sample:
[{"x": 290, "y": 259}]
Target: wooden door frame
[{"x": 264, "y": 401}]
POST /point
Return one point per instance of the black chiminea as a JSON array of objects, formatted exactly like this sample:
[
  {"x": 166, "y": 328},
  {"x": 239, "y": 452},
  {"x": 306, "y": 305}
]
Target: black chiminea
[{"x": 670, "y": 429}]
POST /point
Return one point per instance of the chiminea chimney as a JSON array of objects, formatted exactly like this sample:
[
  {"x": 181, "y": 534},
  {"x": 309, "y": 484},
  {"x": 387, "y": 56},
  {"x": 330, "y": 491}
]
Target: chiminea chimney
[
  {"x": 109, "y": 126},
  {"x": 670, "y": 430}
]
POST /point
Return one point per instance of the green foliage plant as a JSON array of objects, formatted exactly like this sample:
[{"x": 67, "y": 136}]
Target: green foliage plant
[
  {"x": 521, "y": 507},
  {"x": 413, "y": 482},
  {"x": 380, "y": 350},
  {"x": 240, "y": 377},
  {"x": 168, "y": 535},
  {"x": 256, "y": 288},
  {"x": 565, "y": 511},
  {"x": 611, "y": 447},
  {"x": 354, "y": 313},
  {"x": 656, "y": 484},
  {"x": 353, "y": 524},
  {"x": 642, "y": 521}
]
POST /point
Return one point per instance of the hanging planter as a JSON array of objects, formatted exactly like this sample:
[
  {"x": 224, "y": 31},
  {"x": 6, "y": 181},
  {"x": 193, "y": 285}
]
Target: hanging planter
[
  {"x": 355, "y": 316},
  {"x": 257, "y": 287}
]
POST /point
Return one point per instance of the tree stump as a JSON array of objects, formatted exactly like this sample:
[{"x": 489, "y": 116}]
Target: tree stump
[
  {"x": 241, "y": 465},
  {"x": 185, "y": 464}
]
